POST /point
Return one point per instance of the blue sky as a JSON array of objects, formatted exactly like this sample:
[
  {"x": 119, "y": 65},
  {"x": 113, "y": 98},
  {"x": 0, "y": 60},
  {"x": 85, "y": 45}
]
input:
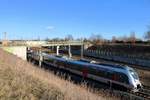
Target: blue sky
[{"x": 30, "y": 19}]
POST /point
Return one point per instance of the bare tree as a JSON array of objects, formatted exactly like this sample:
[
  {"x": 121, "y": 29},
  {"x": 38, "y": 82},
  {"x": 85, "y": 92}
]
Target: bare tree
[
  {"x": 147, "y": 35},
  {"x": 123, "y": 38},
  {"x": 132, "y": 37},
  {"x": 47, "y": 39},
  {"x": 69, "y": 37},
  {"x": 96, "y": 39},
  {"x": 56, "y": 39},
  {"x": 85, "y": 40},
  {"x": 114, "y": 39}
]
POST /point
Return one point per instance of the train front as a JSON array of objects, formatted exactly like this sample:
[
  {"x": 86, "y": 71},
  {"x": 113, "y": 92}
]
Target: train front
[{"x": 134, "y": 80}]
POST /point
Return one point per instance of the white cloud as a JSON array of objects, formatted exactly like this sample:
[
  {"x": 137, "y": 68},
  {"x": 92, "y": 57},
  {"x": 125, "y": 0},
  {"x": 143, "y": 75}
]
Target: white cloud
[{"x": 50, "y": 27}]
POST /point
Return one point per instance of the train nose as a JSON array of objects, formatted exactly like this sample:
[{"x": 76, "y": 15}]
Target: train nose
[{"x": 139, "y": 86}]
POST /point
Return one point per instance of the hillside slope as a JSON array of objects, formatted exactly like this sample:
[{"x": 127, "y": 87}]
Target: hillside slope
[{"x": 20, "y": 80}]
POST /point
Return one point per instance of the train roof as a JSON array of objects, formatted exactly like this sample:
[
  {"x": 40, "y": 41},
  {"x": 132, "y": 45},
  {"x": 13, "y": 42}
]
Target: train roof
[
  {"x": 60, "y": 57},
  {"x": 104, "y": 64},
  {"x": 87, "y": 63},
  {"x": 114, "y": 65},
  {"x": 99, "y": 65}
]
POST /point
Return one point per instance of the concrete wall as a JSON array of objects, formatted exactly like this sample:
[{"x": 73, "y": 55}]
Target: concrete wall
[
  {"x": 109, "y": 56},
  {"x": 19, "y": 51}
]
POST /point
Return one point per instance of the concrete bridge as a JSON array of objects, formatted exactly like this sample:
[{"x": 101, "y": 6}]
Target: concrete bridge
[
  {"x": 57, "y": 45},
  {"x": 60, "y": 43},
  {"x": 35, "y": 43},
  {"x": 19, "y": 48}
]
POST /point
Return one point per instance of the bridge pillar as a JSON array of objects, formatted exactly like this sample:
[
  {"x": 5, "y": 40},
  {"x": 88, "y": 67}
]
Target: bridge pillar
[
  {"x": 52, "y": 48},
  {"x": 82, "y": 51},
  {"x": 41, "y": 58},
  {"x": 57, "y": 50},
  {"x": 69, "y": 51}
]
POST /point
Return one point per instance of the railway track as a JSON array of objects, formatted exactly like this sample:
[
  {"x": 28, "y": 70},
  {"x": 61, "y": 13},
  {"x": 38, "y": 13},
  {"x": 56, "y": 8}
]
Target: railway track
[
  {"x": 132, "y": 96},
  {"x": 143, "y": 94},
  {"x": 146, "y": 90}
]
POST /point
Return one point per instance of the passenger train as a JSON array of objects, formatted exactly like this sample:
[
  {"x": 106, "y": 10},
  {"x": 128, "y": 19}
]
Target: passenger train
[{"x": 118, "y": 75}]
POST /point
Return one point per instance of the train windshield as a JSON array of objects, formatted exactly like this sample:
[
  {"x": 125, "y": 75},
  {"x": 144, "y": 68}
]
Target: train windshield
[{"x": 134, "y": 74}]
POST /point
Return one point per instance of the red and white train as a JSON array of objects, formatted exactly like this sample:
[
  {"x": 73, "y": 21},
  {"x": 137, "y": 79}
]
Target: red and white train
[{"x": 119, "y": 75}]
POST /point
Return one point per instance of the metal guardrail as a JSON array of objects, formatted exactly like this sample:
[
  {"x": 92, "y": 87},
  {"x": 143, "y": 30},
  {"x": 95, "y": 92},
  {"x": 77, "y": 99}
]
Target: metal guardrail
[
  {"x": 63, "y": 43},
  {"x": 45, "y": 43}
]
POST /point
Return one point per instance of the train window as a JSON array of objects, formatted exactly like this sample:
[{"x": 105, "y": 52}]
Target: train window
[
  {"x": 101, "y": 73},
  {"x": 92, "y": 71},
  {"x": 74, "y": 66},
  {"x": 60, "y": 63},
  {"x": 123, "y": 78},
  {"x": 134, "y": 74},
  {"x": 79, "y": 67},
  {"x": 69, "y": 65},
  {"x": 49, "y": 60},
  {"x": 110, "y": 75}
]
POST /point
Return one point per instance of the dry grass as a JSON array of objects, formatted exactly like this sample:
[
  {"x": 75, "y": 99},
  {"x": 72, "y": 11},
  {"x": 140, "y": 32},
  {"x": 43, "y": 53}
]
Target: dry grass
[{"x": 20, "y": 80}]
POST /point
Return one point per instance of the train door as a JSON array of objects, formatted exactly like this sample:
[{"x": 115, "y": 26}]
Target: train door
[
  {"x": 85, "y": 72},
  {"x": 55, "y": 63},
  {"x": 114, "y": 77}
]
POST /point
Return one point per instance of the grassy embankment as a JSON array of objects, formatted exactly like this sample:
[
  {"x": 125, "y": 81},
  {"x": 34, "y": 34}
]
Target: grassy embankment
[{"x": 20, "y": 80}]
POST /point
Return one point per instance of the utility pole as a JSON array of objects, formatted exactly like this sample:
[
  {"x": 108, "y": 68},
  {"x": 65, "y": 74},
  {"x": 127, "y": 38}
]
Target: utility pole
[
  {"x": 40, "y": 57},
  {"x": 82, "y": 48},
  {"x": 69, "y": 51},
  {"x": 5, "y": 35},
  {"x": 4, "y": 41}
]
